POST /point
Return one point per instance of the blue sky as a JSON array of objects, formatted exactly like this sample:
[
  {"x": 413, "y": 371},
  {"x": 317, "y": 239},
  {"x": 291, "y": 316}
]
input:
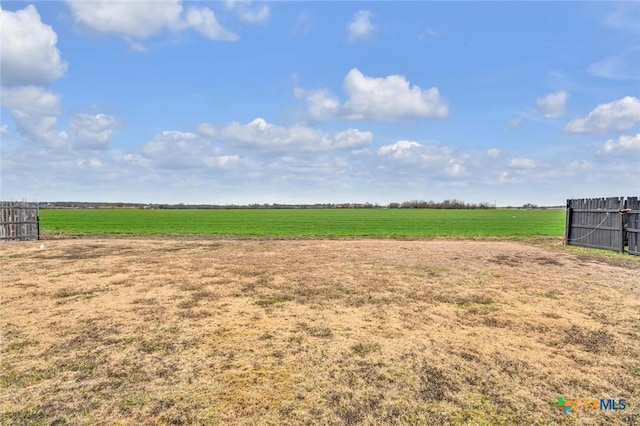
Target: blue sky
[{"x": 305, "y": 102}]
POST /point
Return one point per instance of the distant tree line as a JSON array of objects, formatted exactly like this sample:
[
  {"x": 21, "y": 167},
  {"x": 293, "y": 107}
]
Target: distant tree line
[
  {"x": 446, "y": 204},
  {"x": 414, "y": 204}
]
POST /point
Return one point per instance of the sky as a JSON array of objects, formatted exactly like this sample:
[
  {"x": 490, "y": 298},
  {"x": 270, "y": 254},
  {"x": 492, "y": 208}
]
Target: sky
[{"x": 238, "y": 102}]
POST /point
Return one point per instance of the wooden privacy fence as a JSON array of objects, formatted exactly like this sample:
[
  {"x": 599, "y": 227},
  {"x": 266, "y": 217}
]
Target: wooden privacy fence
[
  {"x": 632, "y": 225},
  {"x": 606, "y": 223},
  {"x": 19, "y": 221}
]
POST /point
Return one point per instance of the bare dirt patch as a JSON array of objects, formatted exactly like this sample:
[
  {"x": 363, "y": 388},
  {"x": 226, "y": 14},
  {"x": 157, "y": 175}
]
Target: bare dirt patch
[{"x": 191, "y": 331}]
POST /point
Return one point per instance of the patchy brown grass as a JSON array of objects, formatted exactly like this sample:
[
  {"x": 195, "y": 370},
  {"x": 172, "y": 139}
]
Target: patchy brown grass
[{"x": 190, "y": 331}]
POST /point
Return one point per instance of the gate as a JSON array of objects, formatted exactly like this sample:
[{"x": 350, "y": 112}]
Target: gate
[{"x": 607, "y": 223}]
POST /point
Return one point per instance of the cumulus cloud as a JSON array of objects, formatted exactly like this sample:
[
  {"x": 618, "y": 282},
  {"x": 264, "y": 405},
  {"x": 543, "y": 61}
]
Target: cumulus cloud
[
  {"x": 28, "y": 49},
  {"x": 34, "y": 111},
  {"x": 183, "y": 150},
  {"x": 455, "y": 165},
  {"x": 259, "y": 133},
  {"x": 437, "y": 159},
  {"x": 140, "y": 20},
  {"x": 389, "y": 98},
  {"x": 31, "y": 100},
  {"x": 624, "y": 145},
  {"x": 129, "y": 19},
  {"x": 204, "y": 21},
  {"x": 90, "y": 131},
  {"x": 247, "y": 13},
  {"x": 522, "y": 163},
  {"x": 553, "y": 105},
  {"x": 615, "y": 116},
  {"x": 401, "y": 150},
  {"x": 361, "y": 27},
  {"x": 322, "y": 105}
]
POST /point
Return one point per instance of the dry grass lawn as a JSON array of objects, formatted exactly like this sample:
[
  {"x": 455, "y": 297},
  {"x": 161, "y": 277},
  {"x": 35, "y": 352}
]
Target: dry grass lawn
[{"x": 197, "y": 331}]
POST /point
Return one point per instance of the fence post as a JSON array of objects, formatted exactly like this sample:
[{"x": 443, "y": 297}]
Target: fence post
[
  {"x": 567, "y": 229},
  {"x": 38, "y": 220},
  {"x": 623, "y": 230}
]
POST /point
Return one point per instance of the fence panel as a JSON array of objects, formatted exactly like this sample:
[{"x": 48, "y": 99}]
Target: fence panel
[
  {"x": 19, "y": 221},
  {"x": 595, "y": 222},
  {"x": 632, "y": 225}
]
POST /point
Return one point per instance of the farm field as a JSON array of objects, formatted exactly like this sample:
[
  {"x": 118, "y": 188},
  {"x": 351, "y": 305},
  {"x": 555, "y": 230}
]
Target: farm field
[
  {"x": 308, "y": 222},
  {"x": 184, "y": 330}
]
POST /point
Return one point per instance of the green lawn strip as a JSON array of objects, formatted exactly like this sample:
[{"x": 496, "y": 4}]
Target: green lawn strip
[{"x": 308, "y": 222}]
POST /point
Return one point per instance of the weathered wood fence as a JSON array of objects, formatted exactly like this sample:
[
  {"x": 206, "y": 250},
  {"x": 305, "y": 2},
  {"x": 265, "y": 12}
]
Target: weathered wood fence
[
  {"x": 632, "y": 225},
  {"x": 607, "y": 223},
  {"x": 19, "y": 221}
]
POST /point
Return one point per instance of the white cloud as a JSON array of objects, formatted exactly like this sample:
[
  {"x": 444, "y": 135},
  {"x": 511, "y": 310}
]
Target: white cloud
[
  {"x": 494, "y": 152},
  {"x": 318, "y": 169},
  {"x": 322, "y": 105},
  {"x": 31, "y": 100},
  {"x": 39, "y": 128},
  {"x": 440, "y": 164},
  {"x": 207, "y": 129},
  {"x": 615, "y": 116},
  {"x": 361, "y": 27},
  {"x": 553, "y": 105},
  {"x": 390, "y": 98},
  {"x": 435, "y": 159},
  {"x": 140, "y": 20},
  {"x": 204, "y": 21},
  {"x": 259, "y": 133},
  {"x": 92, "y": 131},
  {"x": 129, "y": 19},
  {"x": 178, "y": 150},
  {"x": 522, "y": 163},
  {"x": 4, "y": 132},
  {"x": 298, "y": 91},
  {"x": 89, "y": 163},
  {"x": 34, "y": 111},
  {"x": 248, "y": 14},
  {"x": 255, "y": 16},
  {"x": 513, "y": 124},
  {"x": 170, "y": 140},
  {"x": 624, "y": 145},
  {"x": 28, "y": 49},
  {"x": 401, "y": 150}
]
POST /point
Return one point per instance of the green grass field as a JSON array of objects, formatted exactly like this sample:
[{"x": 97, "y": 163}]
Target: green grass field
[{"x": 308, "y": 222}]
